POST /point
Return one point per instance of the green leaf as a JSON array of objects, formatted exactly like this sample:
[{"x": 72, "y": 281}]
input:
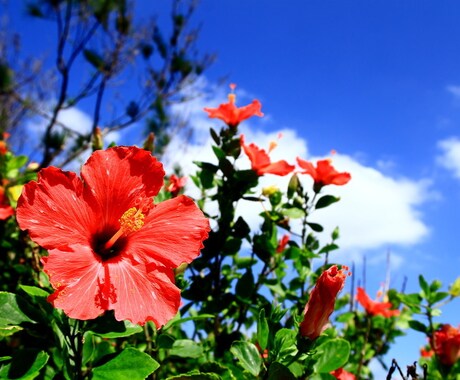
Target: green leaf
[
  {"x": 293, "y": 212},
  {"x": 12, "y": 310},
  {"x": 278, "y": 371},
  {"x": 214, "y": 136},
  {"x": 195, "y": 375},
  {"x": 424, "y": 286},
  {"x": 326, "y": 200},
  {"x": 285, "y": 343},
  {"x": 107, "y": 327},
  {"x": 129, "y": 364},
  {"x": 186, "y": 348},
  {"x": 25, "y": 365},
  {"x": 417, "y": 326},
  {"x": 262, "y": 330},
  {"x": 9, "y": 330},
  {"x": 316, "y": 227},
  {"x": 331, "y": 355},
  {"x": 179, "y": 320},
  {"x": 220, "y": 154},
  {"x": 34, "y": 291},
  {"x": 439, "y": 296},
  {"x": 248, "y": 356},
  {"x": 245, "y": 285}
]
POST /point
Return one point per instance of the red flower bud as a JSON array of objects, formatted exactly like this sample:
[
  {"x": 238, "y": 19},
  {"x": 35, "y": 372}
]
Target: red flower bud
[{"x": 322, "y": 300}]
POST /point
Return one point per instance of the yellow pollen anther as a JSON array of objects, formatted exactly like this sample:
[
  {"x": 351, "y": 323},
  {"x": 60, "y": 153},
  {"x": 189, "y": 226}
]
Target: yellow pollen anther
[
  {"x": 131, "y": 221},
  {"x": 231, "y": 98}
]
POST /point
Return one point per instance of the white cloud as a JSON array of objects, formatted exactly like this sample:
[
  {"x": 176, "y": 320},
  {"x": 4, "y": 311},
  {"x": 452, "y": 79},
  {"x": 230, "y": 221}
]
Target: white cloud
[
  {"x": 376, "y": 210},
  {"x": 450, "y": 157}
]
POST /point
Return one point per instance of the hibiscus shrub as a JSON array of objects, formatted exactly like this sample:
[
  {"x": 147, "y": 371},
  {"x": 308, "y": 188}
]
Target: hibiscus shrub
[{"x": 114, "y": 273}]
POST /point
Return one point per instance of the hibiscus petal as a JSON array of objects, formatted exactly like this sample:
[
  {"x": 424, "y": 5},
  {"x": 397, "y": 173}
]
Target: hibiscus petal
[
  {"x": 258, "y": 157},
  {"x": 78, "y": 277},
  {"x": 55, "y": 211},
  {"x": 143, "y": 292},
  {"x": 120, "y": 176},
  {"x": 173, "y": 233},
  {"x": 277, "y": 168}
]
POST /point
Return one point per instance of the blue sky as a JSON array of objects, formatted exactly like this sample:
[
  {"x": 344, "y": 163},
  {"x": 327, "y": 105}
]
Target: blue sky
[{"x": 378, "y": 81}]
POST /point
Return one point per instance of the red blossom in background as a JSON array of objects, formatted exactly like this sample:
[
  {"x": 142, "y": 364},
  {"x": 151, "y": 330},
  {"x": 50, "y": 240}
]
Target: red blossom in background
[
  {"x": 175, "y": 184},
  {"x": 5, "y": 209},
  {"x": 341, "y": 374},
  {"x": 426, "y": 352},
  {"x": 447, "y": 344},
  {"x": 232, "y": 115},
  {"x": 261, "y": 163},
  {"x": 282, "y": 243},
  {"x": 324, "y": 174},
  {"x": 110, "y": 247},
  {"x": 3, "y": 144},
  {"x": 322, "y": 300},
  {"x": 374, "y": 307}
]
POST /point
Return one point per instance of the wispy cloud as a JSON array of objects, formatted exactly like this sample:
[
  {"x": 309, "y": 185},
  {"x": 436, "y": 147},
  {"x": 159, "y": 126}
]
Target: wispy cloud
[{"x": 450, "y": 155}]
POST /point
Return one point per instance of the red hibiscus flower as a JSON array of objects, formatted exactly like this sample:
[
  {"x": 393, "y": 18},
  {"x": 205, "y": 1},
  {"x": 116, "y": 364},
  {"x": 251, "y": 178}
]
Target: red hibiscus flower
[
  {"x": 233, "y": 115},
  {"x": 374, "y": 307},
  {"x": 5, "y": 209},
  {"x": 175, "y": 184},
  {"x": 260, "y": 161},
  {"x": 324, "y": 173},
  {"x": 341, "y": 374},
  {"x": 282, "y": 243},
  {"x": 110, "y": 247},
  {"x": 447, "y": 344},
  {"x": 322, "y": 300}
]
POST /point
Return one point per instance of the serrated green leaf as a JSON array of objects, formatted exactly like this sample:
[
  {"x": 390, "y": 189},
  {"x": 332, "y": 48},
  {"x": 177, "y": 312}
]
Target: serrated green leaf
[
  {"x": 25, "y": 365},
  {"x": 129, "y": 364},
  {"x": 248, "y": 356},
  {"x": 262, "y": 330},
  {"x": 285, "y": 343},
  {"x": 12, "y": 310},
  {"x": 331, "y": 355}
]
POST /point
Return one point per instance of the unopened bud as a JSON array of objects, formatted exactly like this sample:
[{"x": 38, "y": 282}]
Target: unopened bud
[
  {"x": 97, "y": 140},
  {"x": 270, "y": 190},
  {"x": 149, "y": 143}
]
